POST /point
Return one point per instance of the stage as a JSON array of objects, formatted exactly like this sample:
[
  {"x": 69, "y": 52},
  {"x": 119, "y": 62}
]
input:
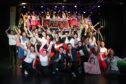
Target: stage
[{"x": 110, "y": 14}]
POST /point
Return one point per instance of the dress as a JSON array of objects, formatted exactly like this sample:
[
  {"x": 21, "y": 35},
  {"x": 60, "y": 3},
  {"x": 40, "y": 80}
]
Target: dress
[
  {"x": 38, "y": 21},
  {"x": 92, "y": 66},
  {"x": 74, "y": 22},
  {"x": 33, "y": 21},
  {"x": 102, "y": 63}
]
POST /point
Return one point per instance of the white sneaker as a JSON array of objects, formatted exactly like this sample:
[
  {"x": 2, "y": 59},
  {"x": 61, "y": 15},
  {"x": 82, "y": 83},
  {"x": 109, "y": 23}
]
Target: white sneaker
[
  {"x": 57, "y": 69},
  {"x": 74, "y": 75},
  {"x": 25, "y": 72}
]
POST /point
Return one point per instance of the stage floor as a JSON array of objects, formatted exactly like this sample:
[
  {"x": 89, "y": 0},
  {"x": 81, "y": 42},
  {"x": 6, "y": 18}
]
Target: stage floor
[{"x": 9, "y": 76}]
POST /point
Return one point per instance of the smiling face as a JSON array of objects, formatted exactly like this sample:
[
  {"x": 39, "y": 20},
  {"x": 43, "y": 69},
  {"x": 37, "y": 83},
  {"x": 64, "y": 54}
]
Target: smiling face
[
  {"x": 44, "y": 53},
  {"x": 32, "y": 49},
  {"x": 61, "y": 50},
  {"x": 111, "y": 53},
  {"x": 102, "y": 44},
  {"x": 86, "y": 41},
  {"x": 79, "y": 43},
  {"x": 75, "y": 36},
  {"x": 28, "y": 44},
  {"x": 69, "y": 46},
  {"x": 43, "y": 34},
  {"x": 24, "y": 34},
  {"x": 48, "y": 37}
]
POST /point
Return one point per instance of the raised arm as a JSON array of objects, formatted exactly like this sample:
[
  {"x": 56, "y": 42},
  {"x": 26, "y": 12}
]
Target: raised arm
[
  {"x": 6, "y": 31},
  {"x": 49, "y": 48},
  {"x": 27, "y": 30},
  {"x": 37, "y": 38},
  {"x": 36, "y": 49},
  {"x": 22, "y": 47}
]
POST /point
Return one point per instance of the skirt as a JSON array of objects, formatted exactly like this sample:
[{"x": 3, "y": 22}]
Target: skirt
[{"x": 33, "y": 22}]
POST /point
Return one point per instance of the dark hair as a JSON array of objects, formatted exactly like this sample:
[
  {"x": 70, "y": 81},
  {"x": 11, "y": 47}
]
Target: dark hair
[
  {"x": 61, "y": 47},
  {"x": 94, "y": 51},
  {"x": 51, "y": 37}
]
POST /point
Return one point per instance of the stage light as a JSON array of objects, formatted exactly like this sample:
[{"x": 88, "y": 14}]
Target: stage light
[
  {"x": 64, "y": 0},
  {"x": 75, "y": 6},
  {"x": 23, "y": 3},
  {"x": 98, "y": 6},
  {"x": 24, "y": 6},
  {"x": 84, "y": 12},
  {"x": 55, "y": 6},
  {"x": 42, "y": 12},
  {"x": 41, "y": 6}
]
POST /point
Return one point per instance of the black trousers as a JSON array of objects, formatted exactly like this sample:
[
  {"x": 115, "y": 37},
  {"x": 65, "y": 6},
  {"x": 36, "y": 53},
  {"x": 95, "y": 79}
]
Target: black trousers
[
  {"x": 42, "y": 70},
  {"x": 13, "y": 57},
  {"x": 60, "y": 65},
  {"x": 28, "y": 67},
  {"x": 74, "y": 67}
]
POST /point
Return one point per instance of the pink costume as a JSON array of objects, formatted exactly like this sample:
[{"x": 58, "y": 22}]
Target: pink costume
[
  {"x": 92, "y": 66},
  {"x": 33, "y": 20}
]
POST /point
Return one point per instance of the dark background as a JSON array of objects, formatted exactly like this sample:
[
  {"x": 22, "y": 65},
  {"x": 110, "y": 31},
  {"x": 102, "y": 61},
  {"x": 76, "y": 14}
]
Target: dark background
[{"x": 112, "y": 13}]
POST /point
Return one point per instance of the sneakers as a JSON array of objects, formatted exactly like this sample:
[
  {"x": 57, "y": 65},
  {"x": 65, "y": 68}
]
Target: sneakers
[
  {"x": 25, "y": 72},
  {"x": 74, "y": 75},
  {"x": 57, "y": 69}
]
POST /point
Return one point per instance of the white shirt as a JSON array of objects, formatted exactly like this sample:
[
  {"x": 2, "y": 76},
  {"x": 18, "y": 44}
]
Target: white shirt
[
  {"x": 33, "y": 17},
  {"x": 43, "y": 60},
  {"x": 42, "y": 40},
  {"x": 12, "y": 39},
  {"x": 81, "y": 52},
  {"x": 67, "y": 41},
  {"x": 72, "y": 42},
  {"x": 103, "y": 50},
  {"x": 48, "y": 17},
  {"x": 30, "y": 57},
  {"x": 92, "y": 42},
  {"x": 33, "y": 40}
]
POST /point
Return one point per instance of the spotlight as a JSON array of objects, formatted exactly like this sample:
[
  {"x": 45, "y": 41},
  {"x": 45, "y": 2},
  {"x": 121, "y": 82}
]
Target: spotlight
[
  {"x": 23, "y": 3},
  {"x": 75, "y": 6},
  {"x": 98, "y": 6},
  {"x": 84, "y": 12},
  {"x": 42, "y": 12},
  {"x": 41, "y": 6},
  {"x": 24, "y": 6},
  {"x": 55, "y": 6},
  {"x": 64, "y": 0}
]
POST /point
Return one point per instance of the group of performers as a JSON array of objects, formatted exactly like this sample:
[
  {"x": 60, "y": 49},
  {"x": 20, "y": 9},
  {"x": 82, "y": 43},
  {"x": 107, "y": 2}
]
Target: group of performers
[
  {"x": 74, "y": 48},
  {"x": 53, "y": 19}
]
